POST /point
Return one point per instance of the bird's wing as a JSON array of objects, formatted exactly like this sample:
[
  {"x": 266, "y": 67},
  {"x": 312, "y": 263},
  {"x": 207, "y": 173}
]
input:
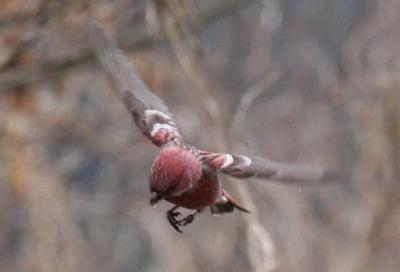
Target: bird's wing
[
  {"x": 149, "y": 112},
  {"x": 244, "y": 167}
]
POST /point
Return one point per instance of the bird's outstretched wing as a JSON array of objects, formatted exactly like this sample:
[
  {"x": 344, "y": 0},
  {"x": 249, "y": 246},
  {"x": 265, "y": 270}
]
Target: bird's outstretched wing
[
  {"x": 149, "y": 112},
  {"x": 244, "y": 167}
]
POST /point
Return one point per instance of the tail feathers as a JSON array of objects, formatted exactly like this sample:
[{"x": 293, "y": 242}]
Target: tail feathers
[{"x": 227, "y": 206}]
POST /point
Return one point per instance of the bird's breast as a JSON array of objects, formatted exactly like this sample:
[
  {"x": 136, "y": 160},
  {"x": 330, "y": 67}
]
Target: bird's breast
[
  {"x": 174, "y": 169},
  {"x": 203, "y": 193}
]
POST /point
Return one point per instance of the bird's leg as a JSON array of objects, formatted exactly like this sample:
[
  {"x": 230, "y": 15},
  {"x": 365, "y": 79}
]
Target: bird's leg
[
  {"x": 188, "y": 219},
  {"x": 171, "y": 216}
]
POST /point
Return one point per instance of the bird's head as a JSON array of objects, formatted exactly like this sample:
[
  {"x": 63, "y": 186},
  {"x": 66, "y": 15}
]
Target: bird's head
[{"x": 174, "y": 170}]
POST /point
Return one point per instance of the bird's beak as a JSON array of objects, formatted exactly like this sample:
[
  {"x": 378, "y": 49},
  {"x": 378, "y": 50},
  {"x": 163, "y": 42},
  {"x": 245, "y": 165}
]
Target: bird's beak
[{"x": 154, "y": 198}]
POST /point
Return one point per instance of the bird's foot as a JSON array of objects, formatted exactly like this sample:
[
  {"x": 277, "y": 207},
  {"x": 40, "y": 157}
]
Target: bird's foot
[
  {"x": 171, "y": 216},
  {"x": 175, "y": 223},
  {"x": 186, "y": 220}
]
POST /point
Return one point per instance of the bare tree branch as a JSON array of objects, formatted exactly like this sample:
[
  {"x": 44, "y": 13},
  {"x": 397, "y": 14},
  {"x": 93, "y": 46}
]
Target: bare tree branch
[{"x": 134, "y": 38}]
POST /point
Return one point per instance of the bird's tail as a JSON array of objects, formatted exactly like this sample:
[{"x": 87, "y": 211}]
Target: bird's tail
[{"x": 227, "y": 206}]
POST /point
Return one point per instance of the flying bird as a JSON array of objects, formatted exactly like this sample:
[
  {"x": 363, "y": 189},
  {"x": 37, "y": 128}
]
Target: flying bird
[{"x": 183, "y": 174}]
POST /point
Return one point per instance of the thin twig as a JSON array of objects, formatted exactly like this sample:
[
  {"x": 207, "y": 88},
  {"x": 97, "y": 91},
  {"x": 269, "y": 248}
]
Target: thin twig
[{"x": 133, "y": 38}]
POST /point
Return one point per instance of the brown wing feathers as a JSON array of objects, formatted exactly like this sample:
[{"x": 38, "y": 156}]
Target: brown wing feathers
[
  {"x": 154, "y": 120},
  {"x": 245, "y": 167},
  {"x": 151, "y": 115},
  {"x": 121, "y": 73}
]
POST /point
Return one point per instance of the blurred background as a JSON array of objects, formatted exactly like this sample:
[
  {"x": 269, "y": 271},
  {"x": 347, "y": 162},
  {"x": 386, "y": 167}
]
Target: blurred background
[{"x": 309, "y": 81}]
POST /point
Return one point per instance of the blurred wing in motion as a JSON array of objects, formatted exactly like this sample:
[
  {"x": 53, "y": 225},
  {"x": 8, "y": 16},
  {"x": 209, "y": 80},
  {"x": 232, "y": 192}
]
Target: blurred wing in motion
[
  {"x": 149, "y": 112},
  {"x": 245, "y": 167}
]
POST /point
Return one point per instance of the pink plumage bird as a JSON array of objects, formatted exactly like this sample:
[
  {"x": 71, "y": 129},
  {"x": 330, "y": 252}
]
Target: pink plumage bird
[{"x": 181, "y": 173}]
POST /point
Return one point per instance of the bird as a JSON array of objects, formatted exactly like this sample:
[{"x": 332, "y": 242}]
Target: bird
[{"x": 183, "y": 174}]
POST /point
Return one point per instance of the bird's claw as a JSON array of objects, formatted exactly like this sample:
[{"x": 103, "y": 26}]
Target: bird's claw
[
  {"x": 186, "y": 220},
  {"x": 171, "y": 216}
]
